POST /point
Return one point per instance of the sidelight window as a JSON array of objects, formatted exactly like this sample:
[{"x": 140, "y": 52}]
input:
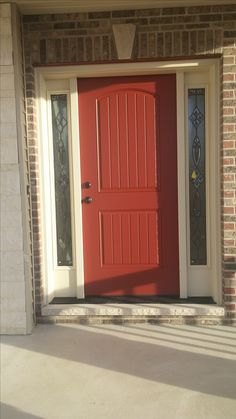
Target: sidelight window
[
  {"x": 59, "y": 109},
  {"x": 197, "y": 175}
]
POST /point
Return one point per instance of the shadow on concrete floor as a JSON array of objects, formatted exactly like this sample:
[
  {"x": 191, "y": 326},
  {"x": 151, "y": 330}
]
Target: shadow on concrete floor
[
  {"x": 13, "y": 413},
  {"x": 143, "y": 352}
]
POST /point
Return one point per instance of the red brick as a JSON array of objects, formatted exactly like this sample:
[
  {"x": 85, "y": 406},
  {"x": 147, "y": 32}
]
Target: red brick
[
  {"x": 228, "y": 242},
  {"x": 229, "y": 210},
  {"x": 229, "y": 194},
  {"x": 228, "y": 93},
  {"x": 228, "y": 161},
  {"x": 228, "y": 111},
  {"x": 228, "y": 144},
  {"x": 228, "y": 77},
  {"x": 229, "y": 290},
  {"x": 229, "y": 226},
  {"x": 230, "y": 306},
  {"x": 228, "y": 128}
]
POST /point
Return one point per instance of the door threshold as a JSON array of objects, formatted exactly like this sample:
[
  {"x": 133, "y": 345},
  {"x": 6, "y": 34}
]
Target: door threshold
[{"x": 131, "y": 299}]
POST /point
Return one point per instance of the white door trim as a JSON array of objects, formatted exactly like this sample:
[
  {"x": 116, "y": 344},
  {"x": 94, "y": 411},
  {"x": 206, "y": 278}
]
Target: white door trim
[
  {"x": 180, "y": 68},
  {"x": 182, "y": 201},
  {"x": 75, "y": 141}
]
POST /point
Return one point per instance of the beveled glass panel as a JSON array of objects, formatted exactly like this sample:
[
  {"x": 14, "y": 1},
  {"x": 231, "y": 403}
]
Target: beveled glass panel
[
  {"x": 197, "y": 176},
  {"x": 62, "y": 179}
]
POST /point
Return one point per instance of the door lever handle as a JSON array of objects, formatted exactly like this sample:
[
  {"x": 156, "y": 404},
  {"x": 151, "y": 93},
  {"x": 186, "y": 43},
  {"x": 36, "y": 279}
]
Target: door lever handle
[{"x": 87, "y": 200}]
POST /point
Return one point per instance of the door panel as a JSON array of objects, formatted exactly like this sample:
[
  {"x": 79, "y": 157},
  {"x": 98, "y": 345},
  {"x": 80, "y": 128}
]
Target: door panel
[
  {"x": 126, "y": 141},
  {"x": 127, "y": 238},
  {"x": 128, "y": 153}
]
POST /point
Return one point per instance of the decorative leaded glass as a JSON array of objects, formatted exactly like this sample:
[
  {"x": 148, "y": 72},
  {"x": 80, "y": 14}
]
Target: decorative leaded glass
[
  {"x": 197, "y": 176},
  {"x": 62, "y": 179}
]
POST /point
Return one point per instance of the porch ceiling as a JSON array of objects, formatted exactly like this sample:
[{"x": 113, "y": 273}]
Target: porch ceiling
[{"x": 62, "y": 6}]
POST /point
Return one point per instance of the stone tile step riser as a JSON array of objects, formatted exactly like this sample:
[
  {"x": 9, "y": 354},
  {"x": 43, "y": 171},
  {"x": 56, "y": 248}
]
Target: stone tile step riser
[{"x": 122, "y": 320}]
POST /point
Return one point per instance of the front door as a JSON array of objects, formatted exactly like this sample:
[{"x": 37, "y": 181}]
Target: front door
[{"x": 129, "y": 185}]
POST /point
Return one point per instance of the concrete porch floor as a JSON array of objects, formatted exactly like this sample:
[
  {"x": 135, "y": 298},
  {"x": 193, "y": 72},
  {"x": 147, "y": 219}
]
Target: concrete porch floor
[{"x": 70, "y": 371}]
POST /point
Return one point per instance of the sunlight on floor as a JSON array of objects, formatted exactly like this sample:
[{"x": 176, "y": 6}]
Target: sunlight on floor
[
  {"x": 214, "y": 341},
  {"x": 69, "y": 371}
]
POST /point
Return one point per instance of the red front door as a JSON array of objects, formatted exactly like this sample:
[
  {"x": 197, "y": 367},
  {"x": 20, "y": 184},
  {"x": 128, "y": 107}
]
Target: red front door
[{"x": 128, "y": 154}]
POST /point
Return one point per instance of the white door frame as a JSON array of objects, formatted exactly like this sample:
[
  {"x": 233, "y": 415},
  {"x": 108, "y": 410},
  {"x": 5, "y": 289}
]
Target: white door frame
[{"x": 186, "y": 72}]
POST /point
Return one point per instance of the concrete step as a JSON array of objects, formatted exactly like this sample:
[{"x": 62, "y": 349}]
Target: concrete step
[{"x": 133, "y": 313}]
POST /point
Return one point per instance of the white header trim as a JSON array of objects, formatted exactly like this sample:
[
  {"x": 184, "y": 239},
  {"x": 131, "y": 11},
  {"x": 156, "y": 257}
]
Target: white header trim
[
  {"x": 123, "y": 69},
  {"x": 70, "y": 6}
]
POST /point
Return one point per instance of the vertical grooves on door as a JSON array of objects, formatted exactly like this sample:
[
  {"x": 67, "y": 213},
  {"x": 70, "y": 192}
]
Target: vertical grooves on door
[
  {"x": 128, "y": 145},
  {"x": 139, "y": 256},
  {"x": 112, "y": 236},
  {"x": 156, "y": 128},
  {"x": 118, "y": 138},
  {"x": 120, "y": 241},
  {"x": 146, "y": 238},
  {"x": 109, "y": 140},
  {"x": 101, "y": 242},
  {"x": 98, "y": 145},
  {"x": 130, "y": 249},
  {"x": 127, "y": 137},
  {"x": 148, "y": 233},
  {"x": 145, "y": 140},
  {"x": 157, "y": 165},
  {"x": 136, "y": 141}
]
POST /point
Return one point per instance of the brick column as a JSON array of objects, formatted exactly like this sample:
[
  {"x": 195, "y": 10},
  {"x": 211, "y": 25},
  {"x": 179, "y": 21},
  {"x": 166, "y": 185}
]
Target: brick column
[{"x": 16, "y": 292}]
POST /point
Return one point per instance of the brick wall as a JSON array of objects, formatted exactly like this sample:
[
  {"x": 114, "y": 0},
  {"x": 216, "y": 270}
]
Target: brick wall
[{"x": 167, "y": 32}]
